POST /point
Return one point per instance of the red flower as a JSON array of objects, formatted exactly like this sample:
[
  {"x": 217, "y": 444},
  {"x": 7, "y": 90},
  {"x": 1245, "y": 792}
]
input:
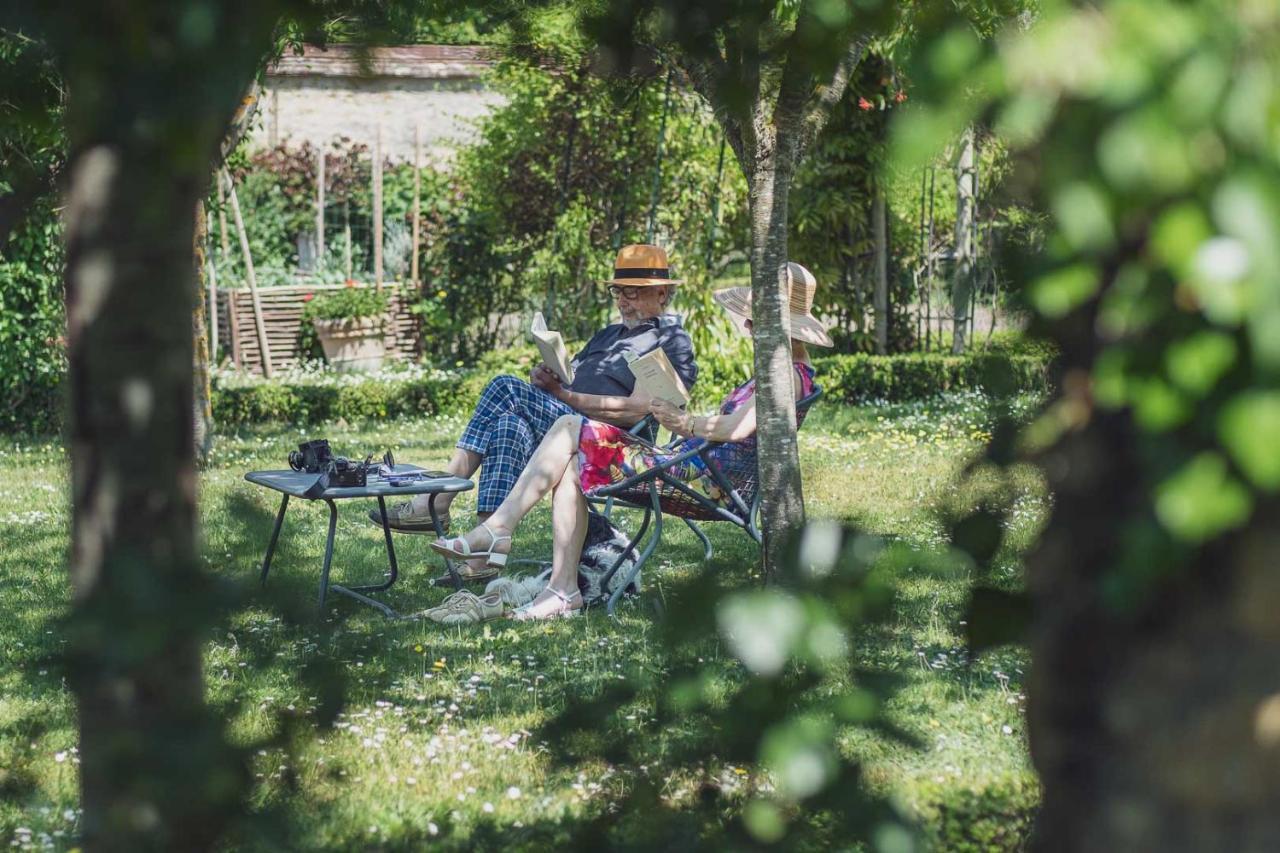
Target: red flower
[
  {"x": 899, "y": 97},
  {"x": 864, "y": 104},
  {"x": 307, "y": 297}
]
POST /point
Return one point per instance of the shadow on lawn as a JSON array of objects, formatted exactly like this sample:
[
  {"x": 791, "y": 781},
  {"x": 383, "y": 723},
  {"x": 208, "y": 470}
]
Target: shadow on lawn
[
  {"x": 723, "y": 729},
  {"x": 31, "y": 644}
]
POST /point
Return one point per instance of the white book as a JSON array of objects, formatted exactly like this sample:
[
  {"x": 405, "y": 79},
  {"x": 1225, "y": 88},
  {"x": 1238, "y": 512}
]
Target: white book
[
  {"x": 551, "y": 345},
  {"x": 657, "y": 377}
]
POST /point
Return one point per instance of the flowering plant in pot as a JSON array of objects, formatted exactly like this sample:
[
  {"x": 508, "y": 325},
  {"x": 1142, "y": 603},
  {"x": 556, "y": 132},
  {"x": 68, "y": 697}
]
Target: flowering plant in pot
[{"x": 350, "y": 324}]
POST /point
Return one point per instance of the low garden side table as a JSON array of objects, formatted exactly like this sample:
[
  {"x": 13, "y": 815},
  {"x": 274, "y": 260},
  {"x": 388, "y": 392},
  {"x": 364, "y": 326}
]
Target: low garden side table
[{"x": 297, "y": 484}]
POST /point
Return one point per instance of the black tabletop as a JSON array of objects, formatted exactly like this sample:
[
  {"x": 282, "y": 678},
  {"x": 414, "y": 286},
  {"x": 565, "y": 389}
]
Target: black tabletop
[{"x": 296, "y": 484}]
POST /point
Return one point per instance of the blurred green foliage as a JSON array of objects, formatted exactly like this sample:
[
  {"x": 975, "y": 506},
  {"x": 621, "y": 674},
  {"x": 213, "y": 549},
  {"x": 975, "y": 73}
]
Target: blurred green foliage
[
  {"x": 1153, "y": 153},
  {"x": 32, "y": 149},
  {"x": 33, "y": 356}
]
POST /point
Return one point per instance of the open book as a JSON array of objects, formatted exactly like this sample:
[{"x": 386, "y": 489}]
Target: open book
[
  {"x": 551, "y": 345},
  {"x": 656, "y": 376}
]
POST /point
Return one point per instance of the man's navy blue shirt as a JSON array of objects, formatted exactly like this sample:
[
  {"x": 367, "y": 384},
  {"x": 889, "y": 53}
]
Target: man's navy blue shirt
[{"x": 601, "y": 368}]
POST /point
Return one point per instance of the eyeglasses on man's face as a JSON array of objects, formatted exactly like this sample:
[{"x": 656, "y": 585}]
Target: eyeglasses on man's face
[{"x": 629, "y": 292}]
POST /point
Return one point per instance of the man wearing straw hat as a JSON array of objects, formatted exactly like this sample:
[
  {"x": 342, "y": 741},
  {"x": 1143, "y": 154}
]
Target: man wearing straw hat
[{"x": 512, "y": 415}]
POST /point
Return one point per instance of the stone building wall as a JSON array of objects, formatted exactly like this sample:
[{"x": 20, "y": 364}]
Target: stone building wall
[{"x": 324, "y": 95}]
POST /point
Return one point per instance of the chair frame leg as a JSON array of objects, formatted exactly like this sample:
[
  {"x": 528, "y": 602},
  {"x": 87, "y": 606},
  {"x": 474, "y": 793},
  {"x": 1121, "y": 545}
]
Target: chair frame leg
[
  {"x": 707, "y": 550},
  {"x": 642, "y": 557}
]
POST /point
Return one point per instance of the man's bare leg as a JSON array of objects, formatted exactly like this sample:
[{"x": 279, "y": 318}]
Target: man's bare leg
[{"x": 463, "y": 463}]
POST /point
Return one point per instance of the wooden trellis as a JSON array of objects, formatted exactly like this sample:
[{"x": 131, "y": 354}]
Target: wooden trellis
[{"x": 282, "y": 314}]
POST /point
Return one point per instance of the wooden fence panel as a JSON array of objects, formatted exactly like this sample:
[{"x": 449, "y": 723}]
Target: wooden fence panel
[{"x": 282, "y": 313}]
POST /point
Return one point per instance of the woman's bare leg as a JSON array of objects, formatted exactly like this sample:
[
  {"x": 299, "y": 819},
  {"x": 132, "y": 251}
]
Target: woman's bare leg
[
  {"x": 558, "y": 449},
  {"x": 569, "y": 532}
]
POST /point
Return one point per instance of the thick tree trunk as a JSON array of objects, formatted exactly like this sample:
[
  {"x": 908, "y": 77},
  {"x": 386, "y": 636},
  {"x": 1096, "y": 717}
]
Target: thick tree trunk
[
  {"x": 146, "y": 109},
  {"x": 881, "y": 296},
  {"x": 1154, "y": 701},
  {"x": 962, "y": 277},
  {"x": 152, "y": 760},
  {"x": 782, "y": 497}
]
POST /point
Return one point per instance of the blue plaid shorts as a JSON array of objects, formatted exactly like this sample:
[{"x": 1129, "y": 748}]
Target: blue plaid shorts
[{"x": 508, "y": 425}]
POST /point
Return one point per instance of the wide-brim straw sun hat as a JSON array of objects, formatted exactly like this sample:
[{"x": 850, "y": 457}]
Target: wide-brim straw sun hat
[
  {"x": 642, "y": 265},
  {"x": 801, "y": 286}
]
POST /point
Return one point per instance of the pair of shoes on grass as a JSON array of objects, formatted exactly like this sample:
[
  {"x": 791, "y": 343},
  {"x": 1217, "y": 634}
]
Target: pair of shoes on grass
[{"x": 467, "y": 608}]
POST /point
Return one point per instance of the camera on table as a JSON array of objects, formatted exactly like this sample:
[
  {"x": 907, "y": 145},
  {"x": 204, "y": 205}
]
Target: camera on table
[
  {"x": 346, "y": 473},
  {"x": 313, "y": 457}
]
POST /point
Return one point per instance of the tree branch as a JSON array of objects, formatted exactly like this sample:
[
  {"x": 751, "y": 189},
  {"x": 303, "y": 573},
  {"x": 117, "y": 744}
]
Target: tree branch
[
  {"x": 828, "y": 95},
  {"x": 708, "y": 73}
]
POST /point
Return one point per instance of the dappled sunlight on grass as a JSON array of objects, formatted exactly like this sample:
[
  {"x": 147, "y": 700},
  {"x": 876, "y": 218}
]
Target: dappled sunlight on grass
[{"x": 436, "y": 739}]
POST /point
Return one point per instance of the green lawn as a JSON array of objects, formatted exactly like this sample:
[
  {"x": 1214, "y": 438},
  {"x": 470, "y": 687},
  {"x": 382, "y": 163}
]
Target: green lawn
[{"x": 439, "y": 737}]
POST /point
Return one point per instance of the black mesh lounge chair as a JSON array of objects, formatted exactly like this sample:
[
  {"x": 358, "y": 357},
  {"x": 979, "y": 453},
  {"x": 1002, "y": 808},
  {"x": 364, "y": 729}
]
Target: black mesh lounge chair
[{"x": 657, "y": 492}]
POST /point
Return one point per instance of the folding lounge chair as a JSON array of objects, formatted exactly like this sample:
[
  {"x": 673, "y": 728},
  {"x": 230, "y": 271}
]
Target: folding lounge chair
[
  {"x": 647, "y": 429},
  {"x": 658, "y": 492}
]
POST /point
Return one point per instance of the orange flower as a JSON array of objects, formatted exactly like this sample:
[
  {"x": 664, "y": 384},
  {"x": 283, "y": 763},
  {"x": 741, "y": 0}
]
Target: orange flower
[
  {"x": 351, "y": 282},
  {"x": 864, "y": 104}
]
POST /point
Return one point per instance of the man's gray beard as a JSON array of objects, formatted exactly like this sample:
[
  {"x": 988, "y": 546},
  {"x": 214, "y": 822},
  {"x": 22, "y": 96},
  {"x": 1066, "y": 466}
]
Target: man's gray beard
[{"x": 631, "y": 324}]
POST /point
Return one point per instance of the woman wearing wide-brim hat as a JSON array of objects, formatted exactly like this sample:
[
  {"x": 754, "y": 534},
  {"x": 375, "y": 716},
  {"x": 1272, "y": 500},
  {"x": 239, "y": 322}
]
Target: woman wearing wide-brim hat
[
  {"x": 579, "y": 455},
  {"x": 801, "y": 285}
]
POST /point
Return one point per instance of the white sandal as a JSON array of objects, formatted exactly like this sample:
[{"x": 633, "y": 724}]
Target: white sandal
[
  {"x": 526, "y": 614},
  {"x": 494, "y": 561}
]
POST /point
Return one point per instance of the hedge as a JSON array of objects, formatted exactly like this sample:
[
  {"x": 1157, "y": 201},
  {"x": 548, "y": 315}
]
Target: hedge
[
  {"x": 315, "y": 397},
  {"x": 865, "y": 378}
]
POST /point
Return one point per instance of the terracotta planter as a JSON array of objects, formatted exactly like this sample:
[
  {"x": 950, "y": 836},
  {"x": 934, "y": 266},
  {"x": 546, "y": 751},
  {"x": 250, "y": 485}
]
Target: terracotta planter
[{"x": 354, "y": 345}]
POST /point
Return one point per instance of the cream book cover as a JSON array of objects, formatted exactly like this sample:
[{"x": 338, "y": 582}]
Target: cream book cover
[
  {"x": 551, "y": 345},
  {"x": 657, "y": 377}
]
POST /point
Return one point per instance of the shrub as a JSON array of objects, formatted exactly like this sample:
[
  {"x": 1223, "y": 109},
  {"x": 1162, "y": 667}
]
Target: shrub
[
  {"x": 997, "y": 819},
  {"x": 308, "y": 396},
  {"x": 32, "y": 323},
  {"x": 345, "y": 304}
]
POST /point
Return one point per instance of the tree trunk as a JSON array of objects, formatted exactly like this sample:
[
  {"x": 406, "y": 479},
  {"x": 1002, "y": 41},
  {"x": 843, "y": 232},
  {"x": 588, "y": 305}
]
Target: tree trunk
[
  {"x": 1153, "y": 713},
  {"x": 962, "y": 281},
  {"x": 154, "y": 772},
  {"x": 782, "y": 497},
  {"x": 203, "y": 405},
  {"x": 881, "y": 296},
  {"x": 144, "y": 116}
]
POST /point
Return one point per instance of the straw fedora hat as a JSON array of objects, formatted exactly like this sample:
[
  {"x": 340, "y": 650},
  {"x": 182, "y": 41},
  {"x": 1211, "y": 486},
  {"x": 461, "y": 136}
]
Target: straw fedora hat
[
  {"x": 641, "y": 265},
  {"x": 802, "y": 285}
]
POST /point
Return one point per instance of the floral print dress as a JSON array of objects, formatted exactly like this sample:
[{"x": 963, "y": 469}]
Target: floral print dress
[{"x": 608, "y": 454}]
